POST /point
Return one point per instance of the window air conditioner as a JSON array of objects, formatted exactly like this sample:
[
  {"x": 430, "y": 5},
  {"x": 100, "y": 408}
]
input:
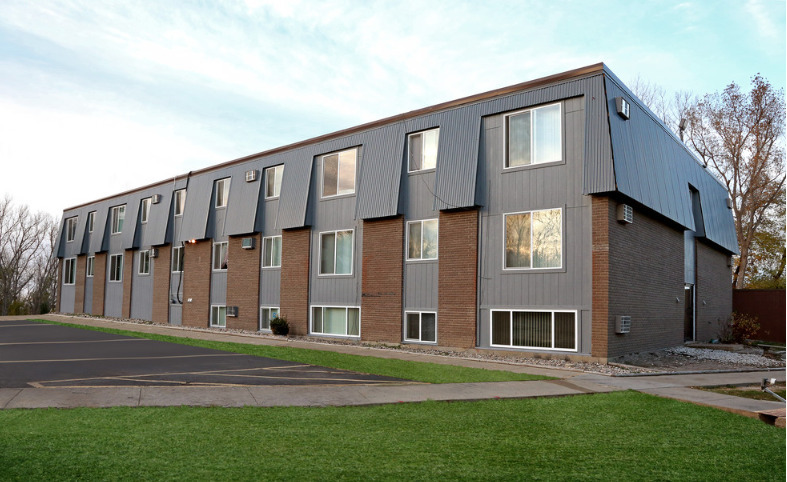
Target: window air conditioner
[
  {"x": 623, "y": 107},
  {"x": 156, "y": 198},
  {"x": 623, "y": 324},
  {"x": 247, "y": 243},
  {"x": 154, "y": 252},
  {"x": 251, "y": 176},
  {"x": 625, "y": 214},
  {"x": 232, "y": 311}
]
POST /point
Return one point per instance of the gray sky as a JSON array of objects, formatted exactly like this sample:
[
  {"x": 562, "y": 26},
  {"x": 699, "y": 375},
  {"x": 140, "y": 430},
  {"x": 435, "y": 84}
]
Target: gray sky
[{"x": 98, "y": 97}]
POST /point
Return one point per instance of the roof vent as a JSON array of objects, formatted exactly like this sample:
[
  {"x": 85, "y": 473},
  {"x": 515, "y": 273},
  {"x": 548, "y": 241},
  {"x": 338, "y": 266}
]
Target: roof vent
[
  {"x": 251, "y": 176},
  {"x": 625, "y": 214},
  {"x": 623, "y": 324},
  {"x": 623, "y": 107}
]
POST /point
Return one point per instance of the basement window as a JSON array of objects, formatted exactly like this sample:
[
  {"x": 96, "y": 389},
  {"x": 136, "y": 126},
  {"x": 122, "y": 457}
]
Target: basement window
[
  {"x": 336, "y": 320},
  {"x": 218, "y": 316},
  {"x": 536, "y": 329},
  {"x": 421, "y": 326},
  {"x": 266, "y": 315}
]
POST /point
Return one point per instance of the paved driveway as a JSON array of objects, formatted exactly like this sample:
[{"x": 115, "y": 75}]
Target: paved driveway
[{"x": 35, "y": 354}]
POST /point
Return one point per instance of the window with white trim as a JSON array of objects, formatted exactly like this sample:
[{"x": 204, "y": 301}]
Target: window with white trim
[
  {"x": 273, "y": 177},
  {"x": 144, "y": 262},
  {"x": 177, "y": 259},
  {"x": 271, "y": 252},
  {"x": 218, "y": 316},
  {"x": 336, "y": 320},
  {"x": 180, "y": 202},
  {"x": 267, "y": 313},
  {"x": 222, "y": 192},
  {"x": 71, "y": 229},
  {"x": 118, "y": 215},
  {"x": 420, "y": 326},
  {"x": 422, "y": 239},
  {"x": 336, "y": 252},
  {"x": 69, "y": 271},
  {"x": 533, "y": 239},
  {"x": 144, "y": 210},
  {"x": 533, "y": 136},
  {"x": 220, "y": 254},
  {"x": 90, "y": 266},
  {"x": 422, "y": 150},
  {"x": 91, "y": 220},
  {"x": 552, "y": 330},
  {"x": 338, "y": 173},
  {"x": 116, "y": 267}
]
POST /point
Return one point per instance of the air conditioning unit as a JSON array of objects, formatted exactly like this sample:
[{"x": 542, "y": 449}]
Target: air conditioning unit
[
  {"x": 251, "y": 176},
  {"x": 623, "y": 324},
  {"x": 232, "y": 311},
  {"x": 247, "y": 243},
  {"x": 625, "y": 214},
  {"x": 154, "y": 252},
  {"x": 156, "y": 198},
  {"x": 623, "y": 107}
]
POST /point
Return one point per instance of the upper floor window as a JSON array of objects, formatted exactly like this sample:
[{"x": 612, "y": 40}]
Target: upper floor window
[
  {"x": 422, "y": 239},
  {"x": 180, "y": 202},
  {"x": 271, "y": 252},
  {"x": 118, "y": 216},
  {"x": 177, "y": 259},
  {"x": 91, "y": 219},
  {"x": 69, "y": 271},
  {"x": 220, "y": 253},
  {"x": 273, "y": 181},
  {"x": 533, "y": 136},
  {"x": 144, "y": 262},
  {"x": 116, "y": 267},
  {"x": 71, "y": 228},
  {"x": 534, "y": 239},
  {"x": 90, "y": 266},
  {"x": 144, "y": 210},
  {"x": 222, "y": 192},
  {"x": 336, "y": 252},
  {"x": 422, "y": 150},
  {"x": 338, "y": 173}
]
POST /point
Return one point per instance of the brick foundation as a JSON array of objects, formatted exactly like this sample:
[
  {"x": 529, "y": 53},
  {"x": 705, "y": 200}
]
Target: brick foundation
[
  {"x": 294, "y": 294},
  {"x": 457, "y": 273},
  {"x": 99, "y": 283},
  {"x": 161, "y": 274},
  {"x": 128, "y": 281},
  {"x": 383, "y": 266},
  {"x": 79, "y": 288},
  {"x": 243, "y": 284},
  {"x": 196, "y": 283}
]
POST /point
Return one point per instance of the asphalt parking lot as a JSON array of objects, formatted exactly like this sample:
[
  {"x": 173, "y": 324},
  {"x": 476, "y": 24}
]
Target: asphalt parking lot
[{"x": 40, "y": 355}]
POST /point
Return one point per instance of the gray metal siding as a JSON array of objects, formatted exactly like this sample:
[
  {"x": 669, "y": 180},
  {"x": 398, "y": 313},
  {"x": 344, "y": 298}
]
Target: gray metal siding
[
  {"x": 417, "y": 203},
  {"x": 420, "y": 285},
  {"x": 99, "y": 228},
  {"x": 113, "y": 295},
  {"x": 380, "y": 172},
  {"x": 457, "y": 157},
  {"x": 242, "y": 203},
  {"x": 68, "y": 249},
  {"x": 142, "y": 290},
  {"x": 67, "y": 295},
  {"x": 158, "y": 220},
  {"x": 198, "y": 204},
  {"x": 270, "y": 286},
  {"x": 295, "y": 187},
  {"x": 130, "y": 222},
  {"x": 175, "y": 315},
  {"x": 175, "y": 287},
  {"x": 218, "y": 287}
]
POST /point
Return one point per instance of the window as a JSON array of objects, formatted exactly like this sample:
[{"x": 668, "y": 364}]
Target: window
[
  {"x": 534, "y": 239},
  {"x": 218, "y": 316},
  {"x": 273, "y": 181},
  {"x": 330, "y": 320},
  {"x": 71, "y": 229},
  {"x": 336, "y": 252},
  {"x": 338, "y": 173},
  {"x": 422, "y": 150},
  {"x": 421, "y": 326},
  {"x": 533, "y": 136},
  {"x": 422, "y": 239},
  {"x": 177, "y": 259},
  {"x": 69, "y": 271},
  {"x": 271, "y": 252},
  {"x": 266, "y": 315},
  {"x": 222, "y": 192},
  {"x": 91, "y": 219},
  {"x": 554, "y": 330},
  {"x": 220, "y": 253},
  {"x": 90, "y": 266},
  {"x": 144, "y": 262},
  {"x": 180, "y": 202},
  {"x": 116, "y": 267},
  {"x": 144, "y": 210},
  {"x": 118, "y": 216}
]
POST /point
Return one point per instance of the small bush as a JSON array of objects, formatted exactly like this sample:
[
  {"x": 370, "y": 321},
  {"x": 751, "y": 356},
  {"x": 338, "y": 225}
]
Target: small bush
[
  {"x": 738, "y": 328},
  {"x": 279, "y": 326}
]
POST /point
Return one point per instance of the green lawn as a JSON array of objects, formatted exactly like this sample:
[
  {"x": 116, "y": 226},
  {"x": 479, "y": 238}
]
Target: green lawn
[
  {"x": 615, "y": 436},
  {"x": 408, "y": 370}
]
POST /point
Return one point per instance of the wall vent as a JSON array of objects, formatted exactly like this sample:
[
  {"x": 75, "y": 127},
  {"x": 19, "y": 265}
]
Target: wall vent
[
  {"x": 623, "y": 324},
  {"x": 156, "y": 198},
  {"x": 232, "y": 311},
  {"x": 625, "y": 214},
  {"x": 247, "y": 243},
  {"x": 623, "y": 107},
  {"x": 251, "y": 176},
  {"x": 154, "y": 252}
]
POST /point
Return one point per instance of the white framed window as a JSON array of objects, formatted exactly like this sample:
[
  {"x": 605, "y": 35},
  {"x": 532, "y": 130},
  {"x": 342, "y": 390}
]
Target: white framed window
[
  {"x": 218, "y": 316},
  {"x": 144, "y": 262},
  {"x": 422, "y": 150},
  {"x": 338, "y": 173},
  {"x": 537, "y": 329},
  {"x": 534, "y": 136},
  {"x": 267, "y": 313},
  {"x": 336, "y": 320},
  {"x": 90, "y": 266},
  {"x": 116, "y": 267},
  {"x": 271, "y": 252},
  {"x": 422, "y": 239},
  {"x": 69, "y": 271},
  {"x": 220, "y": 253},
  {"x": 273, "y": 177},
  {"x": 144, "y": 210},
  {"x": 420, "y": 326},
  {"x": 533, "y": 239},
  {"x": 222, "y": 192},
  {"x": 177, "y": 259},
  {"x": 118, "y": 216},
  {"x": 336, "y": 252},
  {"x": 71, "y": 229},
  {"x": 91, "y": 220},
  {"x": 180, "y": 202}
]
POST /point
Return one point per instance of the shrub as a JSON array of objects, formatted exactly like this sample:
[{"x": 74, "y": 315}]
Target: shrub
[
  {"x": 738, "y": 328},
  {"x": 279, "y": 326}
]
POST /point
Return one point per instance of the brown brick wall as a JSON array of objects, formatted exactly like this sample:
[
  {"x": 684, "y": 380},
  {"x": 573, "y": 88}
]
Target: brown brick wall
[
  {"x": 196, "y": 283},
  {"x": 128, "y": 281},
  {"x": 294, "y": 294},
  {"x": 243, "y": 284},
  {"x": 383, "y": 265},
  {"x": 713, "y": 291},
  {"x": 457, "y": 277},
  {"x": 600, "y": 296},
  {"x": 161, "y": 274},
  {"x": 79, "y": 288},
  {"x": 99, "y": 283}
]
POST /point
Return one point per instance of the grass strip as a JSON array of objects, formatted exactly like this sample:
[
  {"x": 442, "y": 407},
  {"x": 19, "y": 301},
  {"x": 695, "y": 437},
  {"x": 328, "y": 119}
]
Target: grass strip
[
  {"x": 751, "y": 391},
  {"x": 614, "y": 436},
  {"x": 408, "y": 370}
]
